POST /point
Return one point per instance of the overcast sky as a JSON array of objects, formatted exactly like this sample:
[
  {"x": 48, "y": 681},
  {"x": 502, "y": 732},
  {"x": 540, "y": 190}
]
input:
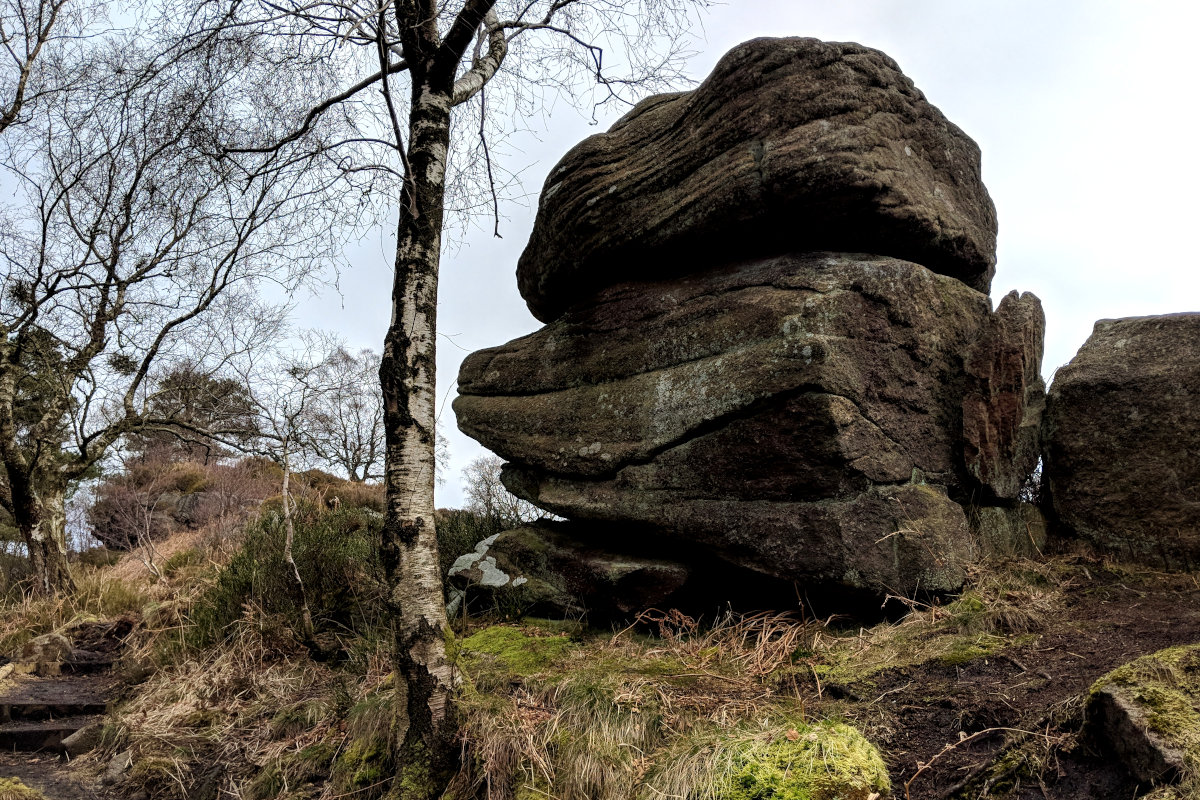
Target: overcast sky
[{"x": 1085, "y": 111}]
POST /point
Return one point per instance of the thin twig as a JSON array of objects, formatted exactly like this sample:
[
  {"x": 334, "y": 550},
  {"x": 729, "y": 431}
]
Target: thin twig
[{"x": 922, "y": 767}]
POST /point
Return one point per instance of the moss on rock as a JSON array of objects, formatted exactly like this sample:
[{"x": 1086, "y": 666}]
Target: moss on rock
[
  {"x": 514, "y": 650},
  {"x": 1148, "y": 713}
]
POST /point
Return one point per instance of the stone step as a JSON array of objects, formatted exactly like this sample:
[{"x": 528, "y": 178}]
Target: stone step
[
  {"x": 46, "y": 734},
  {"x": 56, "y": 668},
  {"x": 33, "y": 698}
]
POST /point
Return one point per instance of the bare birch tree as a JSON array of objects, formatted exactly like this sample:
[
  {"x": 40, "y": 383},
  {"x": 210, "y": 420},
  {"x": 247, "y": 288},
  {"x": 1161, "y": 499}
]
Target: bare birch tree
[
  {"x": 130, "y": 246},
  {"x": 424, "y": 90}
]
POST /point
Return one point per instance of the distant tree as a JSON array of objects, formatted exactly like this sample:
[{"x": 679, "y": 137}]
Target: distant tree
[
  {"x": 487, "y": 497},
  {"x": 346, "y": 418},
  {"x": 196, "y": 401}
]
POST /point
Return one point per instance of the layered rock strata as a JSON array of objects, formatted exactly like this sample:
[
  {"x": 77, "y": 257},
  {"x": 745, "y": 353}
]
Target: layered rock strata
[
  {"x": 800, "y": 415},
  {"x": 1122, "y": 439},
  {"x": 791, "y": 145},
  {"x": 769, "y": 338}
]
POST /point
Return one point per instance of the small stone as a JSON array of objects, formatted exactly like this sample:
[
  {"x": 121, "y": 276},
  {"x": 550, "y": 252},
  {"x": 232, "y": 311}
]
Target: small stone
[{"x": 83, "y": 740}]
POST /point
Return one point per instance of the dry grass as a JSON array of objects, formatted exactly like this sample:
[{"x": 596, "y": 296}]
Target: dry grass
[
  {"x": 637, "y": 716},
  {"x": 598, "y": 721},
  {"x": 96, "y": 596},
  {"x": 239, "y": 716},
  {"x": 1001, "y": 603}
]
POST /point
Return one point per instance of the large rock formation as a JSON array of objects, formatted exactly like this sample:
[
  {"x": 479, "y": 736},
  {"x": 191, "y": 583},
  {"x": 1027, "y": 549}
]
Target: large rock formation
[
  {"x": 802, "y": 415},
  {"x": 1122, "y": 439},
  {"x": 815, "y": 415},
  {"x": 791, "y": 145}
]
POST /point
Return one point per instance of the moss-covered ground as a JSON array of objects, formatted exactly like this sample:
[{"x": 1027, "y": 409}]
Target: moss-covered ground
[{"x": 14, "y": 789}]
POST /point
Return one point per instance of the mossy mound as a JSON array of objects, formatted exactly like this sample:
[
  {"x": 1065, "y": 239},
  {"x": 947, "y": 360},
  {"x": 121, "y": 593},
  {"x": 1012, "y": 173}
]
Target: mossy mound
[
  {"x": 823, "y": 761},
  {"x": 14, "y": 789},
  {"x": 1147, "y": 712},
  {"x": 516, "y": 651}
]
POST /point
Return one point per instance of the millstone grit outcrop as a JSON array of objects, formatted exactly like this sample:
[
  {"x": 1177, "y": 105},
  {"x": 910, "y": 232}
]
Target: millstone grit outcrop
[
  {"x": 790, "y": 145},
  {"x": 1122, "y": 439},
  {"x": 800, "y": 415},
  {"x": 769, "y": 338}
]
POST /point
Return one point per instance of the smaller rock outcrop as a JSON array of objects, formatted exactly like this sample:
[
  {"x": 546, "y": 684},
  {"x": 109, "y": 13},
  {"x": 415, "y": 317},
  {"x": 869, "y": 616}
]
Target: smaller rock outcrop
[
  {"x": 1122, "y": 439},
  {"x": 1147, "y": 713},
  {"x": 790, "y": 145}
]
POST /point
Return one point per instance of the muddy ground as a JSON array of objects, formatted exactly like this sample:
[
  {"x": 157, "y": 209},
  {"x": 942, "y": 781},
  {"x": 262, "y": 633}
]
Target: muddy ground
[{"x": 1011, "y": 724}]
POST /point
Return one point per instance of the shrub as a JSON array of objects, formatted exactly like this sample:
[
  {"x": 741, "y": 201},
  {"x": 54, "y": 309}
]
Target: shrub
[{"x": 337, "y": 554}]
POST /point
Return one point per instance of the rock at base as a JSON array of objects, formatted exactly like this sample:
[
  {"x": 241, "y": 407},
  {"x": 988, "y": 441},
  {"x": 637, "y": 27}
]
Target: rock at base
[
  {"x": 1147, "y": 712},
  {"x": 559, "y": 569},
  {"x": 1004, "y": 532},
  {"x": 1122, "y": 440}
]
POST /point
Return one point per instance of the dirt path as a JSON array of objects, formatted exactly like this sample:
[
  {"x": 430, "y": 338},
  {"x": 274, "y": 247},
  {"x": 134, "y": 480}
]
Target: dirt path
[
  {"x": 46, "y": 701},
  {"x": 46, "y": 773},
  {"x": 1012, "y": 720}
]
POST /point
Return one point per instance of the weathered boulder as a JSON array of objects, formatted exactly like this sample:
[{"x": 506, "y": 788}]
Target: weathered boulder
[
  {"x": 1147, "y": 714},
  {"x": 799, "y": 415},
  {"x": 1005, "y": 397},
  {"x": 49, "y": 648},
  {"x": 1122, "y": 439},
  {"x": 558, "y": 569},
  {"x": 790, "y": 145},
  {"x": 1006, "y": 531}
]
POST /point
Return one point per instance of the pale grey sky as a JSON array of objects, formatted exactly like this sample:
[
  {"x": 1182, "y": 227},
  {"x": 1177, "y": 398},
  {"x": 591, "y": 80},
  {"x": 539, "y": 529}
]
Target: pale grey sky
[{"x": 1085, "y": 111}]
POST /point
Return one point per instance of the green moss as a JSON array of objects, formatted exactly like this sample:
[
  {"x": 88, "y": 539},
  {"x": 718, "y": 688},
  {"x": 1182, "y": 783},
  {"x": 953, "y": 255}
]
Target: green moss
[
  {"x": 156, "y": 776},
  {"x": 564, "y": 627},
  {"x": 13, "y": 789},
  {"x": 513, "y": 649},
  {"x": 965, "y": 650},
  {"x": 1166, "y": 686},
  {"x": 362, "y": 764},
  {"x": 825, "y": 761}
]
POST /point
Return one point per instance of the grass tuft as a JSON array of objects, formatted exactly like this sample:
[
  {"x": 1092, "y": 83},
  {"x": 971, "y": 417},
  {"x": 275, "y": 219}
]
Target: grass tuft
[{"x": 14, "y": 789}]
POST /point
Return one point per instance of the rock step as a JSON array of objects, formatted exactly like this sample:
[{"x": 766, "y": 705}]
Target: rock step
[
  {"x": 45, "y": 734},
  {"x": 34, "y": 698},
  {"x": 56, "y": 668}
]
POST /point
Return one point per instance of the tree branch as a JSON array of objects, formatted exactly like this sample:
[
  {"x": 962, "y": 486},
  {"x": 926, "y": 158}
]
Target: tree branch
[
  {"x": 320, "y": 108},
  {"x": 458, "y": 39},
  {"x": 482, "y": 70}
]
